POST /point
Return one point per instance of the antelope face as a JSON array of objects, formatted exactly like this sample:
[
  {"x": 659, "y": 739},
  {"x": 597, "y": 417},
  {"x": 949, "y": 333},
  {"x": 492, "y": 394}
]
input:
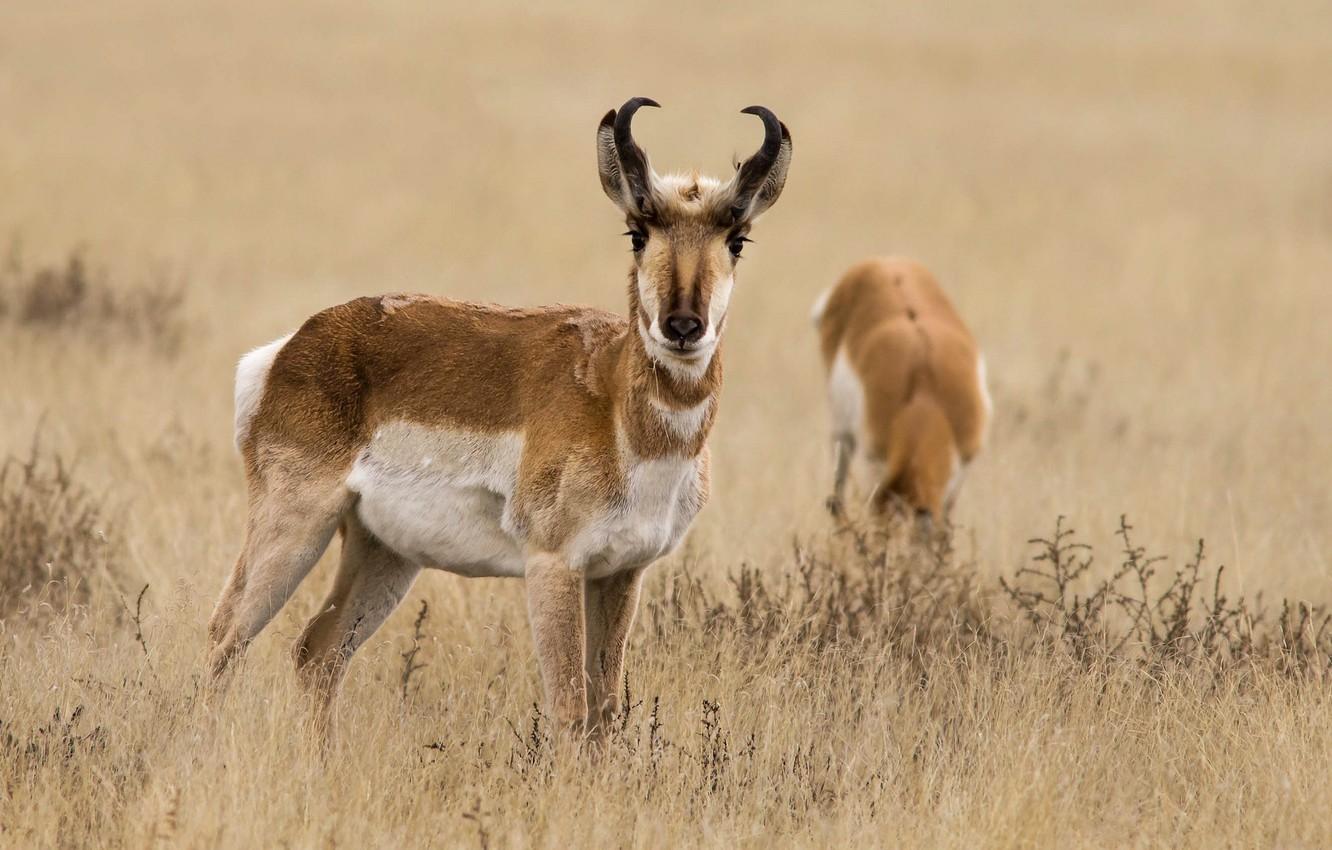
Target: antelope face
[
  {"x": 687, "y": 233},
  {"x": 684, "y": 268}
]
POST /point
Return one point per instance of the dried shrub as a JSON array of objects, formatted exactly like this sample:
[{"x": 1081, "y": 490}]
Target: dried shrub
[
  {"x": 52, "y": 539},
  {"x": 59, "y": 740},
  {"x": 70, "y": 297},
  {"x": 862, "y": 598},
  {"x": 1160, "y": 618},
  {"x": 861, "y": 586},
  {"x": 870, "y": 591},
  {"x": 1064, "y": 403}
]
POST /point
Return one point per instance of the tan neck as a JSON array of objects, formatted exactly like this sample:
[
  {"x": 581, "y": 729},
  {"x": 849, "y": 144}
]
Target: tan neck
[{"x": 663, "y": 410}]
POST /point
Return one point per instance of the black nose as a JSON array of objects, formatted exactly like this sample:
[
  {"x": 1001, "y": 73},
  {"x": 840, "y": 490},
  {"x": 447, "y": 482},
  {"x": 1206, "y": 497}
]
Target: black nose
[{"x": 682, "y": 326}]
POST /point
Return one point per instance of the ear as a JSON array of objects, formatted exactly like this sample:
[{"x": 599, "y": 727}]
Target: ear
[
  {"x": 626, "y": 177},
  {"x": 608, "y": 163},
  {"x": 771, "y": 188}
]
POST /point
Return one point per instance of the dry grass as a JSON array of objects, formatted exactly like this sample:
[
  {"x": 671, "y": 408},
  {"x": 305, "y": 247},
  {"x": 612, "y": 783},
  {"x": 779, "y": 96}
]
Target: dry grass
[
  {"x": 53, "y": 543},
  {"x": 1130, "y": 203},
  {"x": 69, "y": 299},
  {"x": 860, "y": 692}
]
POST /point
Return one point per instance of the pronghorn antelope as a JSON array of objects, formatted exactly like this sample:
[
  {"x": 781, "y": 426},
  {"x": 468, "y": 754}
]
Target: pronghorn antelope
[
  {"x": 906, "y": 384},
  {"x": 564, "y": 445}
]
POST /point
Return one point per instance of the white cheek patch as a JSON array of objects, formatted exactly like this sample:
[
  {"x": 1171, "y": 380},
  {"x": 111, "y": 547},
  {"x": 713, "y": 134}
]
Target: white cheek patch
[
  {"x": 647, "y": 297},
  {"x": 721, "y": 301}
]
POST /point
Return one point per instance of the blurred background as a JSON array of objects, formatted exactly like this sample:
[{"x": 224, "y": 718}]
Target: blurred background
[{"x": 1130, "y": 203}]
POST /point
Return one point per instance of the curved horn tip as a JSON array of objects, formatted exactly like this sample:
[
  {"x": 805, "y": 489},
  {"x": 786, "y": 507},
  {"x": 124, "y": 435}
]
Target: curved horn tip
[
  {"x": 625, "y": 116},
  {"x": 770, "y": 120},
  {"x": 607, "y": 119}
]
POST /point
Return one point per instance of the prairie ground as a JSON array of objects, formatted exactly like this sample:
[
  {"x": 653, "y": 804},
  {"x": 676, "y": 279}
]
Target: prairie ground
[{"x": 1130, "y": 203}]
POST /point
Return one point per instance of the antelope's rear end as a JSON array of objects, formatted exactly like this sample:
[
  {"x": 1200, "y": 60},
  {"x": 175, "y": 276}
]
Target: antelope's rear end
[{"x": 906, "y": 387}]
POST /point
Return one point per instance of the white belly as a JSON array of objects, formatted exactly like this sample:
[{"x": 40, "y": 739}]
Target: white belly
[{"x": 442, "y": 498}]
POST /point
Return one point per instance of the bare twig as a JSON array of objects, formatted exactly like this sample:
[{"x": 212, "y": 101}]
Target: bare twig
[{"x": 409, "y": 664}]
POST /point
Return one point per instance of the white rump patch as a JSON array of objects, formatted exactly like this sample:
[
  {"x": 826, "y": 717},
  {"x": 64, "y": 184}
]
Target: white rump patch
[
  {"x": 846, "y": 396},
  {"x": 251, "y": 378}
]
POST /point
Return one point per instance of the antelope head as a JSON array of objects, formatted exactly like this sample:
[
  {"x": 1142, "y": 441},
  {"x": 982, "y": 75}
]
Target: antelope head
[{"x": 687, "y": 233}]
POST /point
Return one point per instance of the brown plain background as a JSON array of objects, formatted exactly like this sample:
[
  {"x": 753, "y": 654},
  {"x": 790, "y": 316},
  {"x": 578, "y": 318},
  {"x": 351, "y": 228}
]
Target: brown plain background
[{"x": 1131, "y": 203}]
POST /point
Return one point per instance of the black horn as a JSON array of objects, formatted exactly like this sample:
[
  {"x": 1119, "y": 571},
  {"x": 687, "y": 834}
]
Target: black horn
[
  {"x": 763, "y": 174},
  {"x": 633, "y": 162}
]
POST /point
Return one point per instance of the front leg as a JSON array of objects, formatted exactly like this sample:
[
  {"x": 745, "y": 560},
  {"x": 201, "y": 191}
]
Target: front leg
[
  {"x": 555, "y": 609},
  {"x": 611, "y": 603}
]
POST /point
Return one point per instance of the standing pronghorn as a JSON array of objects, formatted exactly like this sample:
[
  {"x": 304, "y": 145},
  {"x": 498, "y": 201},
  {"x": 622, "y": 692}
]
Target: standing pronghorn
[
  {"x": 565, "y": 445},
  {"x": 906, "y": 384}
]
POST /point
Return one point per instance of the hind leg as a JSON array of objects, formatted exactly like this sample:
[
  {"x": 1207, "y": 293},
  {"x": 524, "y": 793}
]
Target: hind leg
[
  {"x": 371, "y": 581},
  {"x": 291, "y": 523},
  {"x": 844, "y": 446}
]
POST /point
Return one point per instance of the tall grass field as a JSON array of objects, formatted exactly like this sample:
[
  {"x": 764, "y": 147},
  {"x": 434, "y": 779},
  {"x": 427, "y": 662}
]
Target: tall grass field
[{"x": 1123, "y": 643}]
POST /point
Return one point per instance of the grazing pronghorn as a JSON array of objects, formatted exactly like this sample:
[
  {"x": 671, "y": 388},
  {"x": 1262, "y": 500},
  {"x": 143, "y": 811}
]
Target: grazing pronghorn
[
  {"x": 906, "y": 384},
  {"x": 562, "y": 444}
]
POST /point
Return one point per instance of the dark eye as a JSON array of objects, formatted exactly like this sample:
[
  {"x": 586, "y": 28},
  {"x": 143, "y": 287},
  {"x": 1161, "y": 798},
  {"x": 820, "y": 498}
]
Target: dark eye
[
  {"x": 637, "y": 240},
  {"x": 737, "y": 245}
]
